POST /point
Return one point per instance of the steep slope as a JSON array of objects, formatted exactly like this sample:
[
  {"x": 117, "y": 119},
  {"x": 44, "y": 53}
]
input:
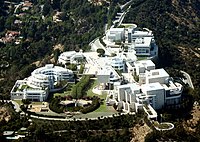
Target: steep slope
[{"x": 176, "y": 24}]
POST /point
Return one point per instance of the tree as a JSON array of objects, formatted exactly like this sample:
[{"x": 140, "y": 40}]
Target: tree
[
  {"x": 2, "y": 23},
  {"x": 56, "y": 54},
  {"x": 73, "y": 67},
  {"x": 101, "y": 51},
  {"x": 9, "y": 24},
  {"x": 63, "y": 16},
  {"x": 46, "y": 8},
  {"x": 39, "y": 133},
  {"x": 26, "y": 101},
  {"x": 81, "y": 69}
]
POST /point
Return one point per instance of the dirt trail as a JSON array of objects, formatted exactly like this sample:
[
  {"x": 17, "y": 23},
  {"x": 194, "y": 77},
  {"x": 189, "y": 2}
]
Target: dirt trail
[{"x": 139, "y": 132}]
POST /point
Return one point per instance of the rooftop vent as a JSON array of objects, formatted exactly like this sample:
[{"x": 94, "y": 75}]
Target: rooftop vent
[{"x": 155, "y": 73}]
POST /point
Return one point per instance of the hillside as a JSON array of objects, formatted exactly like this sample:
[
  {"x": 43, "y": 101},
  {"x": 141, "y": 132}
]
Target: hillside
[
  {"x": 176, "y": 25},
  {"x": 30, "y": 31}
]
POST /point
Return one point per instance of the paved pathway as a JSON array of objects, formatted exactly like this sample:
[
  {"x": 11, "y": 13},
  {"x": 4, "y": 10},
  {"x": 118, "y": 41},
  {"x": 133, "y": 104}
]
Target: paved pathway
[
  {"x": 128, "y": 3},
  {"x": 188, "y": 79},
  {"x": 81, "y": 117},
  {"x": 16, "y": 106}
]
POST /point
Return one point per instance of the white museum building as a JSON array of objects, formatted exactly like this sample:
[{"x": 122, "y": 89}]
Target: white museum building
[{"x": 40, "y": 83}]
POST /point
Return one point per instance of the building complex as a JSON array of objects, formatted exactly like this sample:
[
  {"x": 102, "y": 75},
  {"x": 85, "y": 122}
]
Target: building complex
[
  {"x": 42, "y": 81},
  {"x": 131, "y": 84},
  {"x": 154, "y": 90},
  {"x": 142, "y": 41}
]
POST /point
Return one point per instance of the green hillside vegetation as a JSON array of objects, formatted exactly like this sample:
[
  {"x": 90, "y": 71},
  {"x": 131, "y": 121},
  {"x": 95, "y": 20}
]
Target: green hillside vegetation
[
  {"x": 81, "y": 23},
  {"x": 109, "y": 129}
]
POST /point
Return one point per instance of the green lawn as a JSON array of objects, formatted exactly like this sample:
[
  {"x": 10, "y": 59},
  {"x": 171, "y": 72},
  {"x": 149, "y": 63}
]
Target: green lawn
[
  {"x": 33, "y": 103},
  {"x": 126, "y": 25},
  {"x": 65, "y": 93},
  {"x": 102, "y": 110},
  {"x": 94, "y": 114},
  {"x": 141, "y": 58},
  {"x": 18, "y": 101},
  {"x": 93, "y": 83},
  {"x": 103, "y": 107},
  {"x": 25, "y": 87},
  {"x": 36, "y": 103},
  {"x": 161, "y": 125}
]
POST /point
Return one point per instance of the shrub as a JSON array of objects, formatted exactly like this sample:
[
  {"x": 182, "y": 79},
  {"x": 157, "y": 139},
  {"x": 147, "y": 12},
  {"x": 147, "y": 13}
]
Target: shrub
[
  {"x": 26, "y": 101},
  {"x": 55, "y": 105},
  {"x": 101, "y": 51},
  {"x": 95, "y": 104},
  {"x": 73, "y": 67},
  {"x": 81, "y": 69}
]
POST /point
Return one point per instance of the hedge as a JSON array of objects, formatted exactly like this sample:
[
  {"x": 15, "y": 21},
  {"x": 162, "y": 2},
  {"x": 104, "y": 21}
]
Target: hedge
[
  {"x": 78, "y": 90},
  {"x": 95, "y": 104},
  {"x": 55, "y": 105}
]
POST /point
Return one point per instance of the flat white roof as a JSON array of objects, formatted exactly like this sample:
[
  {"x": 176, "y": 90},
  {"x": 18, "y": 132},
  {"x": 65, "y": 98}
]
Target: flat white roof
[
  {"x": 145, "y": 63},
  {"x": 90, "y": 69},
  {"x": 157, "y": 73},
  {"x": 93, "y": 55},
  {"x": 103, "y": 71},
  {"x": 7, "y": 133},
  {"x": 108, "y": 61},
  {"x": 143, "y": 41},
  {"x": 36, "y": 91},
  {"x": 124, "y": 86},
  {"x": 116, "y": 29},
  {"x": 132, "y": 86},
  {"x": 68, "y": 53},
  {"x": 152, "y": 113},
  {"x": 142, "y": 33},
  {"x": 50, "y": 67},
  {"x": 152, "y": 86}
]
